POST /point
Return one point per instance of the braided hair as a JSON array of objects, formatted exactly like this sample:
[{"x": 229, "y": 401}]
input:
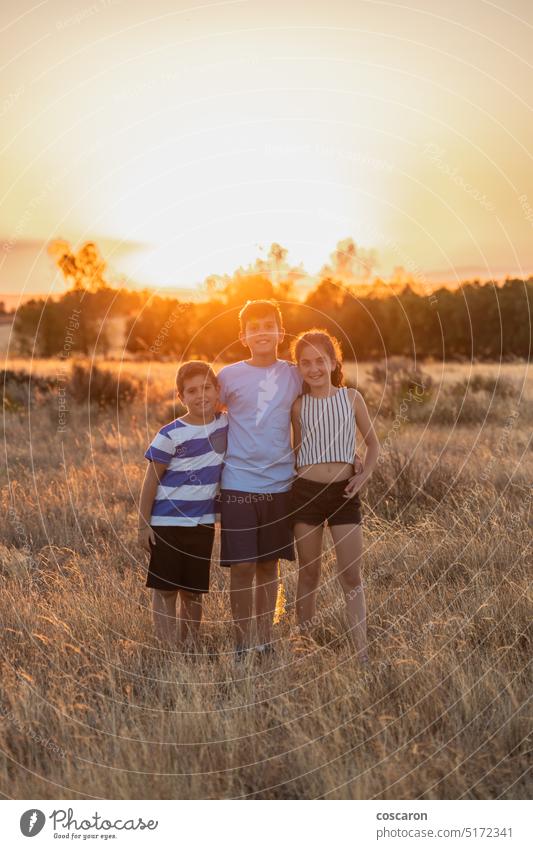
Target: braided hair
[{"x": 326, "y": 342}]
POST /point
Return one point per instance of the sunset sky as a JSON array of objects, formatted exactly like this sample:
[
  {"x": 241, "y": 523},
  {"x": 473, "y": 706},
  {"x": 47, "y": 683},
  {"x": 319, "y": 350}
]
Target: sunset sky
[{"x": 185, "y": 137}]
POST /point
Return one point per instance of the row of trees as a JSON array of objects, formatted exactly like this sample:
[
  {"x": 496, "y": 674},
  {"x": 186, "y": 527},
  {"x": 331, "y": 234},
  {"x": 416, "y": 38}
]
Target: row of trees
[{"x": 482, "y": 321}]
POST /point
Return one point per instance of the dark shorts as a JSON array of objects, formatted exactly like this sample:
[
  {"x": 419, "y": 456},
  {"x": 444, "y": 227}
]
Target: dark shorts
[
  {"x": 314, "y": 503},
  {"x": 256, "y": 527},
  {"x": 181, "y": 558}
]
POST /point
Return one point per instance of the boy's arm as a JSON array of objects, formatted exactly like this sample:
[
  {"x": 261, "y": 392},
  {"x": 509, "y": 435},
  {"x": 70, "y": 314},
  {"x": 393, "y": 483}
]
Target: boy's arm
[
  {"x": 222, "y": 387},
  {"x": 152, "y": 477},
  {"x": 296, "y": 426}
]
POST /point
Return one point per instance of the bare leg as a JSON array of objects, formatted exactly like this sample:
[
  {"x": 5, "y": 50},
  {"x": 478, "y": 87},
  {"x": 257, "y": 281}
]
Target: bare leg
[
  {"x": 348, "y": 541},
  {"x": 266, "y": 593},
  {"x": 190, "y": 615},
  {"x": 309, "y": 547},
  {"x": 164, "y": 614},
  {"x": 242, "y": 600}
]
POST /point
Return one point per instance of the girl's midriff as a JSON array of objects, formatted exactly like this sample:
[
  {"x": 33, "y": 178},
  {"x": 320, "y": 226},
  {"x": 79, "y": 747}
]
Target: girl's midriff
[{"x": 326, "y": 472}]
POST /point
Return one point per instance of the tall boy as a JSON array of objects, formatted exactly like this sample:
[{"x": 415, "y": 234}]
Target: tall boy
[
  {"x": 258, "y": 472},
  {"x": 177, "y": 504}
]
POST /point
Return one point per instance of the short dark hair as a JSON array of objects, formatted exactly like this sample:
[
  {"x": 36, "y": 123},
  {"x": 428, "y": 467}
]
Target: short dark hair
[
  {"x": 192, "y": 369},
  {"x": 259, "y": 309}
]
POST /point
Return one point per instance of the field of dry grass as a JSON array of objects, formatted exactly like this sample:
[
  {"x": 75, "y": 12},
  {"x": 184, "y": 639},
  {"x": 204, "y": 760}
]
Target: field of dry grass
[{"x": 91, "y": 707}]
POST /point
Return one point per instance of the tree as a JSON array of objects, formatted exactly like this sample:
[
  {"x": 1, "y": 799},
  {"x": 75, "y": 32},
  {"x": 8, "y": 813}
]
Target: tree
[
  {"x": 163, "y": 327},
  {"x": 83, "y": 269},
  {"x": 349, "y": 263}
]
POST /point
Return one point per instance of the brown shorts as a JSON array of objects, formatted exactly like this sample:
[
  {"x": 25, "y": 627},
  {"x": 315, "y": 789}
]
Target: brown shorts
[
  {"x": 314, "y": 503},
  {"x": 181, "y": 558}
]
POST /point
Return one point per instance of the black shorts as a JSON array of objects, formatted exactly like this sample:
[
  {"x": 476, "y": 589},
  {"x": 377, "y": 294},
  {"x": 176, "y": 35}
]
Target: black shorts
[
  {"x": 181, "y": 558},
  {"x": 256, "y": 527},
  {"x": 314, "y": 503}
]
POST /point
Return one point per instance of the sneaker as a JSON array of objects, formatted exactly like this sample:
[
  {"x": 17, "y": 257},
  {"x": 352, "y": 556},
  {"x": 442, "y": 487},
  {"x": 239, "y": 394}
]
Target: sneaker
[
  {"x": 265, "y": 650},
  {"x": 241, "y": 654}
]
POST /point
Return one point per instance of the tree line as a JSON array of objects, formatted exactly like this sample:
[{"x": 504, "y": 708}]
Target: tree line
[{"x": 481, "y": 321}]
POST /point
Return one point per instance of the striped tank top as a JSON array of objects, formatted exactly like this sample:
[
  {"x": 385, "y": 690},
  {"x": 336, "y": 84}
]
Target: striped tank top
[{"x": 328, "y": 429}]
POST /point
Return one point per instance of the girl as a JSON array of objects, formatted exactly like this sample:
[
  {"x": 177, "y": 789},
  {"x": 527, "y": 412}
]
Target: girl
[{"x": 329, "y": 478}]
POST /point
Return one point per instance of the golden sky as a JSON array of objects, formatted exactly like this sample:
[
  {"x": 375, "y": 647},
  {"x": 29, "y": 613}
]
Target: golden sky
[{"x": 188, "y": 136}]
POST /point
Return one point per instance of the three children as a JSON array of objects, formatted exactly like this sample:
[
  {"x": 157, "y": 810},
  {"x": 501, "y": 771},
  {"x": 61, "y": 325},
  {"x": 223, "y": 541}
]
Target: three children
[{"x": 261, "y": 502}]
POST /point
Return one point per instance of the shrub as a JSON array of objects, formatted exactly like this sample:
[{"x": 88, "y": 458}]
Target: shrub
[
  {"x": 99, "y": 386},
  {"x": 20, "y": 389},
  {"x": 480, "y": 398},
  {"x": 466, "y": 409},
  {"x": 497, "y": 386},
  {"x": 395, "y": 382}
]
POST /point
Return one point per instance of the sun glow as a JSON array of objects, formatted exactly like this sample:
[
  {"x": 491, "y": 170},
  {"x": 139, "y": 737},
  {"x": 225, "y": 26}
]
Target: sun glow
[{"x": 192, "y": 139}]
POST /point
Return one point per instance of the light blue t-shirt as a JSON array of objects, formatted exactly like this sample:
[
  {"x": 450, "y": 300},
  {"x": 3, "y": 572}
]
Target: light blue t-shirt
[{"x": 259, "y": 457}]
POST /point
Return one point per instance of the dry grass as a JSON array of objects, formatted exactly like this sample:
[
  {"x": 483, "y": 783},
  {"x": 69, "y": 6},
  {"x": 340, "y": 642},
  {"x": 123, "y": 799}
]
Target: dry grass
[{"x": 440, "y": 714}]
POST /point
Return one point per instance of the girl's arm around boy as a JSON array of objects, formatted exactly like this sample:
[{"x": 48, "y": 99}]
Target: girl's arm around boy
[{"x": 366, "y": 428}]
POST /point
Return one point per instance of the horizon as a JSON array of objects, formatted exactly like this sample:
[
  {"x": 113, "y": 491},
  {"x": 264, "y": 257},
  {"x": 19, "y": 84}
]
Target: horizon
[{"x": 34, "y": 254}]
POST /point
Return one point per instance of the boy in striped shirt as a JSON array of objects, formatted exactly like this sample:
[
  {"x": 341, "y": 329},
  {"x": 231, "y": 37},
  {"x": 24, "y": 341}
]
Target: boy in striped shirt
[{"x": 177, "y": 504}]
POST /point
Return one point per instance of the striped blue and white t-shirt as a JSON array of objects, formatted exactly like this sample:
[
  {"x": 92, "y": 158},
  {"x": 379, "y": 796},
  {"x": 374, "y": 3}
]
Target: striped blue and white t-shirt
[{"x": 194, "y": 455}]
